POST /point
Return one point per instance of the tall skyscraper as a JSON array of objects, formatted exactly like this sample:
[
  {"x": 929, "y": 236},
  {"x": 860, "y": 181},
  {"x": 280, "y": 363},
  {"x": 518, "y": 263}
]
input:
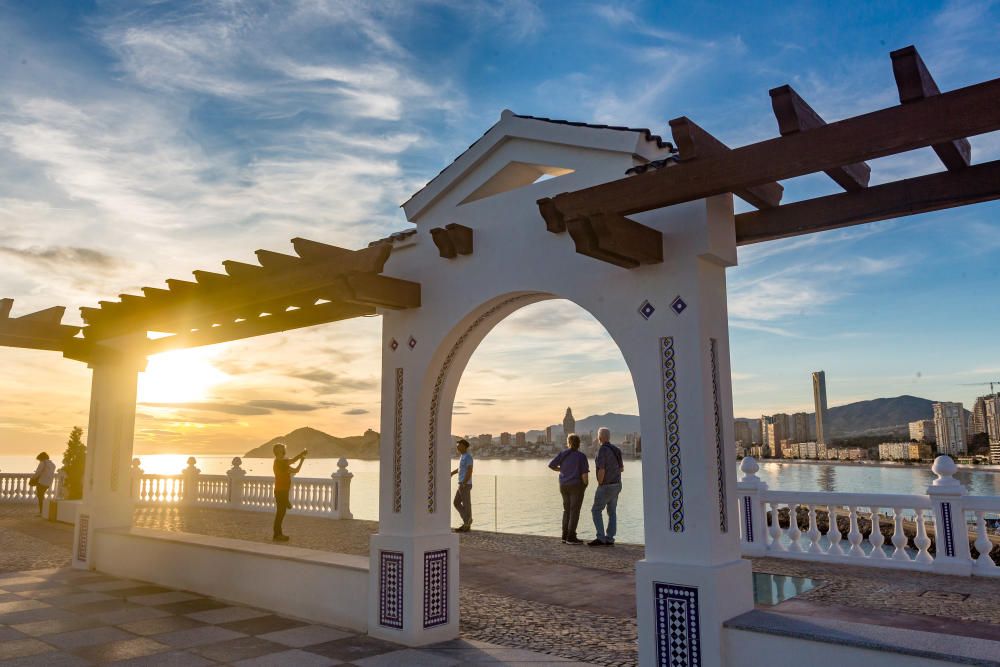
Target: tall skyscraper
[
  {"x": 979, "y": 416},
  {"x": 992, "y": 405},
  {"x": 548, "y": 434},
  {"x": 569, "y": 424},
  {"x": 800, "y": 427},
  {"x": 742, "y": 432},
  {"x": 520, "y": 439},
  {"x": 819, "y": 398},
  {"x": 950, "y": 428}
]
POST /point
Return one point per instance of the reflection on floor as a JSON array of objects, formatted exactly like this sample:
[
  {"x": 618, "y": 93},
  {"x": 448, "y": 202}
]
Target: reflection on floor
[{"x": 772, "y": 589}]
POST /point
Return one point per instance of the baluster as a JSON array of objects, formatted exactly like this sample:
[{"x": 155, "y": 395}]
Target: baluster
[
  {"x": 833, "y": 533},
  {"x": 876, "y": 538},
  {"x": 813, "y": 534},
  {"x": 922, "y": 541},
  {"x": 794, "y": 533},
  {"x": 854, "y": 537},
  {"x": 899, "y": 538},
  {"x": 775, "y": 530},
  {"x": 983, "y": 545}
]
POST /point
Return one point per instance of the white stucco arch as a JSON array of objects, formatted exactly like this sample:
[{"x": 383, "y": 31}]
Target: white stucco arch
[{"x": 678, "y": 360}]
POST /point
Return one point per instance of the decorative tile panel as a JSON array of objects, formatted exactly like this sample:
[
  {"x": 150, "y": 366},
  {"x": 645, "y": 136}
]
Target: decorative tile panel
[
  {"x": 678, "y": 637},
  {"x": 678, "y": 305},
  {"x": 435, "y": 588},
  {"x": 720, "y": 458},
  {"x": 82, "y": 540},
  {"x": 439, "y": 385},
  {"x": 646, "y": 310},
  {"x": 390, "y": 589},
  {"x": 748, "y": 518},
  {"x": 412, "y": 342},
  {"x": 397, "y": 446},
  {"x": 673, "y": 438},
  {"x": 949, "y": 538},
  {"x": 393, "y": 344}
]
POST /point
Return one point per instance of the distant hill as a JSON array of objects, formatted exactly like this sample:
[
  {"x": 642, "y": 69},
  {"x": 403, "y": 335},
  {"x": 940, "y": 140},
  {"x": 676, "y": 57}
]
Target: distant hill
[
  {"x": 619, "y": 424},
  {"x": 321, "y": 445},
  {"x": 878, "y": 415}
]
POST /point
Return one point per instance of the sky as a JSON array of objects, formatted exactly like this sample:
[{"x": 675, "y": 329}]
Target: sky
[{"x": 142, "y": 140}]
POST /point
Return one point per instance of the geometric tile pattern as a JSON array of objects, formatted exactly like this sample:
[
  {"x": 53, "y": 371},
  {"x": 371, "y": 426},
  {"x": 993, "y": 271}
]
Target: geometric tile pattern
[
  {"x": 646, "y": 310},
  {"x": 63, "y": 630},
  {"x": 720, "y": 459},
  {"x": 747, "y": 518},
  {"x": 678, "y": 641},
  {"x": 397, "y": 446},
  {"x": 678, "y": 305},
  {"x": 673, "y": 437},
  {"x": 82, "y": 540},
  {"x": 432, "y": 434},
  {"x": 390, "y": 589},
  {"x": 435, "y": 588},
  {"x": 949, "y": 539}
]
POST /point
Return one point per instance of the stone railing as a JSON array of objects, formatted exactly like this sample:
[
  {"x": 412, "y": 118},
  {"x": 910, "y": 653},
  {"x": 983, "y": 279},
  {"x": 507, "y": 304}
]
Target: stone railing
[
  {"x": 14, "y": 488},
  {"x": 797, "y": 524},
  {"x": 329, "y": 498}
]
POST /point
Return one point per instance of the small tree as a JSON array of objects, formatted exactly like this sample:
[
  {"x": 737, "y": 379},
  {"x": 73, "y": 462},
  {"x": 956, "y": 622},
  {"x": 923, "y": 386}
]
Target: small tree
[{"x": 74, "y": 460}]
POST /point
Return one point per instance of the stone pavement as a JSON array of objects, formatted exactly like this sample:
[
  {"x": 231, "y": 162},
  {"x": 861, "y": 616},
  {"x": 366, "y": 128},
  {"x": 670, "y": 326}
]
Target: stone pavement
[{"x": 62, "y": 617}]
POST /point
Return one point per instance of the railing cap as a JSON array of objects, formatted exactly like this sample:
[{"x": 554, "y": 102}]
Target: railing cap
[{"x": 945, "y": 468}]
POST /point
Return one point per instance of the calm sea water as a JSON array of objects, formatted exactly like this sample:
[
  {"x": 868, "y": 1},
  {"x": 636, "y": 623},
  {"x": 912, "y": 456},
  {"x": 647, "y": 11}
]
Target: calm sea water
[{"x": 523, "y": 496}]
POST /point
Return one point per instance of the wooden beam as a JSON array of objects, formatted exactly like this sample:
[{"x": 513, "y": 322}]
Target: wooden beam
[
  {"x": 964, "y": 112},
  {"x": 5, "y": 307},
  {"x": 296, "y": 319},
  {"x": 446, "y": 247},
  {"x": 617, "y": 240},
  {"x": 914, "y": 82},
  {"x": 922, "y": 194},
  {"x": 694, "y": 142},
  {"x": 452, "y": 240},
  {"x": 795, "y": 115},
  {"x": 383, "y": 291}
]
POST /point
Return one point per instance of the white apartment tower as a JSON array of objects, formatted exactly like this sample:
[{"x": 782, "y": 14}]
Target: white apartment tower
[
  {"x": 950, "y": 428},
  {"x": 819, "y": 397}
]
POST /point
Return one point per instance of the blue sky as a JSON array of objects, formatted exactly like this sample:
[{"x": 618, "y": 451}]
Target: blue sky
[{"x": 139, "y": 141}]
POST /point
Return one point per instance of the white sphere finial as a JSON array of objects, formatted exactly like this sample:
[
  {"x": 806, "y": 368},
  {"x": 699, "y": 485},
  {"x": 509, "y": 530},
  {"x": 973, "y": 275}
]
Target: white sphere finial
[
  {"x": 749, "y": 466},
  {"x": 944, "y": 467}
]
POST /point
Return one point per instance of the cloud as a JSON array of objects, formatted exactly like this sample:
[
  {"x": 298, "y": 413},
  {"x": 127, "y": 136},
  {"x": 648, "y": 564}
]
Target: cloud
[
  {"x": 483, "y": 401},
  {"x": 328, "y": 382},
  {"x": 80, "y": 259},
  {"x": 253, "y": 407},
  {"x": 356, "y": 411}
]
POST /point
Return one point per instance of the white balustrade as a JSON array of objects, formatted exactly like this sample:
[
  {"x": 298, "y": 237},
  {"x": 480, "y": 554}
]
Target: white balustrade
[
  {"x": 14, "y": 488},
  {"x": 236, "y": 490},
  {"x": 770, "y": 525}
]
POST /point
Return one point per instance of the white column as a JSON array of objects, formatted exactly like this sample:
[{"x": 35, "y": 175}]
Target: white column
[
  {"x": 693, "y": 578},
  {"x": 413, "y": 594},
  {"x": 951, "y": 534},
  {"x": 752, "y": 520},
  {"x": 236, "y": 475},
  {"x": 107, "y": 501},
  {"x": 190, "y": 476}
]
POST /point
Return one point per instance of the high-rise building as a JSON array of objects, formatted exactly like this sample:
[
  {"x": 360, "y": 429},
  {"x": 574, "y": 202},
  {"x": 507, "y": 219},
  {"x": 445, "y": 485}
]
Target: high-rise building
[
  {"x": 777, "y": 429},
  {"x": 742, "y": 432},
  {"x": 765, "y": 421},
  {"x": 819, "y": 398},
  {"x": 800, "y": 427},
  {"x": 991, "y": 416},
  {"x": 922, "y": 431},
  {"x": 950, "y": 428},
  {"x": 485, "y": 439},
  {"x": 548, "y": 434},
  {"x": 505, "y": 439},
  {"x": 978, "y": 424},
  {"x": 569, "y": 424},
  {"x": 520, "y": 439}
]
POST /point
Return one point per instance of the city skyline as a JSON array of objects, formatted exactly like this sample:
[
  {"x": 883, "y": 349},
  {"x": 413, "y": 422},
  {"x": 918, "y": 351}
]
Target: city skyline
[{"x": 141, "y": 143}]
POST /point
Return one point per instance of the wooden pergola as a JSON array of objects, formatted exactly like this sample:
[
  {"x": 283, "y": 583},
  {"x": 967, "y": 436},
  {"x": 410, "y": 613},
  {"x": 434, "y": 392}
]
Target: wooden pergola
[
  {"x": 597, "y": 221},
  {"x": 321, "y": 283}
]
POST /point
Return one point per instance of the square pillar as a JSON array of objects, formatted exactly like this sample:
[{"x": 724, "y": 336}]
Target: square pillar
[{"x": 107, "y": 484}]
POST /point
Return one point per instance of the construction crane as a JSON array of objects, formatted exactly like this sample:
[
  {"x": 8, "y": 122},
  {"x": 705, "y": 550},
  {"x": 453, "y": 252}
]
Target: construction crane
[{"x": 982, "y": 384}]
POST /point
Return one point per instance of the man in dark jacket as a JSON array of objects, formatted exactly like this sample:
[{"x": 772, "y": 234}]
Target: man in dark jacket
[
  {"x": 609, "y": 467},
  {"x": 573, "y": 470}
]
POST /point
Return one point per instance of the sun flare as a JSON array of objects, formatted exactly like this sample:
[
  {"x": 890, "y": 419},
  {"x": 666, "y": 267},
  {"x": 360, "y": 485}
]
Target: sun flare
[{"x": 178, "y": 377}]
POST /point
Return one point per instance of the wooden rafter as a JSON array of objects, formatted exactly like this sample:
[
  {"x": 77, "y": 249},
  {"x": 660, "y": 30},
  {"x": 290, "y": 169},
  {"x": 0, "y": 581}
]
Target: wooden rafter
[
  {"x": 880, "y": 202},
  {"x": 914, "y": 82},
  {"x": 694, "y": 142},
  {"x": 41, "y": 330},
  {"x": 452, "y": 240},
  {"x": 616, "y": 239},
  {"x": 935, "y": 119}
]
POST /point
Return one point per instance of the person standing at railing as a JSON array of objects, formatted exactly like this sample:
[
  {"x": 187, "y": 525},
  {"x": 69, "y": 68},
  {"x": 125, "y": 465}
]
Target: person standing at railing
[
  {"x": 42, "y": 479},
  {"x": 283, "y": 471},
  {"x": 463, "y": 497},
  {"x": 608, "y": 465},
  {"x": 573, "y": 469}
]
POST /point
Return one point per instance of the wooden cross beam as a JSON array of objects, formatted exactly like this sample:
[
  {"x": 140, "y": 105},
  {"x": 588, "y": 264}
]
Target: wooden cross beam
[
  {"x": 616, "y": 239},
  {"x": 41, "y": 330},
  {"x": 452, "y": 240}
]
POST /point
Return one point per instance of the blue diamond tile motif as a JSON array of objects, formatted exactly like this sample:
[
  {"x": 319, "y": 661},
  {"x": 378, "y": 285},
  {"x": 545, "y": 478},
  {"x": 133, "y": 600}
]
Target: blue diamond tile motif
[
  {"x": 678, "y": 637},
  {"x": 435, "y": 588},
  {"x": 678, "y": 305},
  {"x": 390, "y": 589},
  {"x": 646, "y": 310}
]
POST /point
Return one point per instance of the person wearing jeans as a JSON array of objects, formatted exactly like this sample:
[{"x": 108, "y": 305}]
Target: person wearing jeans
[
  {"x": 573, "y": 469},
  {"x": 609, "y": 467},
  {"x": 463, "y": 497}
]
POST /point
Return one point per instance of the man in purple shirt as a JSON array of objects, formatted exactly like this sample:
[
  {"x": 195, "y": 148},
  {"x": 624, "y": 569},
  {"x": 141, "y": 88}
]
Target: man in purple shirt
[{"x": 573, "y": 470}]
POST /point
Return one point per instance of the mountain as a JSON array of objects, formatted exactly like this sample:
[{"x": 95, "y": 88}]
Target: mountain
[
  {"x": 877, "y": 415},
  {"x": 321, "y": 445}
]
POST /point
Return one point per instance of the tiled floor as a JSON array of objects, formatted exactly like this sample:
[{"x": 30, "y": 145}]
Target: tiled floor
[{"x": 60, "y": 617}]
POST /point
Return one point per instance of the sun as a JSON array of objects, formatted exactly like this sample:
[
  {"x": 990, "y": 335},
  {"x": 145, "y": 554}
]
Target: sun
[{"x": 179, "y": 377}]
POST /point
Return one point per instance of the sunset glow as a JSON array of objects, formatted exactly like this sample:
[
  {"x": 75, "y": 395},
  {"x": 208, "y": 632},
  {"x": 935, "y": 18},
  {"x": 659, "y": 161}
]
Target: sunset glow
[{"x": 184, "y": 375}]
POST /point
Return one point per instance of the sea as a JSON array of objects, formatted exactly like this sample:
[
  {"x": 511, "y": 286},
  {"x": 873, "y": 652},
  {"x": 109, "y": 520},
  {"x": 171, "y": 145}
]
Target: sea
[{"x": 522, "y": 496}]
